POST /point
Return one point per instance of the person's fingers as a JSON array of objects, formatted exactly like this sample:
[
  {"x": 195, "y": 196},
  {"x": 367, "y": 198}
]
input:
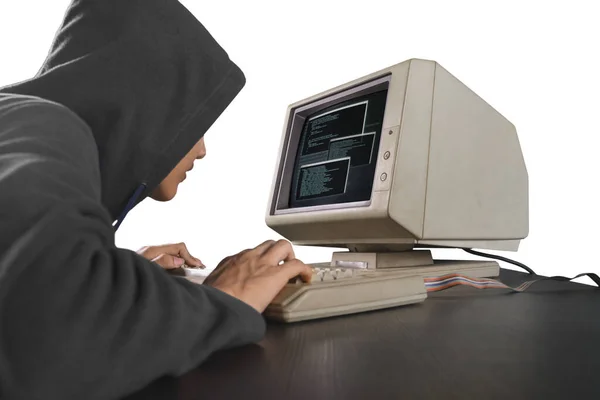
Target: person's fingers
[
  {"x": 280, "y": 251},
  {"x": 168, "y": 261},
  {"x": 185, "y": 254},
  {"x": 175, "y": 249},
  {"x": 264, "y": 247},
  {"x": 294, "y": 268}
]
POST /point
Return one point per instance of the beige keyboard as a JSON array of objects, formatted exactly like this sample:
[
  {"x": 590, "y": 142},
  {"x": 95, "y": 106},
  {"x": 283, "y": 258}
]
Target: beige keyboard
[
  {"x": 340, "y": 291},
  {"x": 324, "y": 272}
]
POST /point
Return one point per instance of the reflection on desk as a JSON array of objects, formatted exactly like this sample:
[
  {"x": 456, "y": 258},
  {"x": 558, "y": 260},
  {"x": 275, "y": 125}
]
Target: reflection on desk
[{"x": 462, "y": 343}]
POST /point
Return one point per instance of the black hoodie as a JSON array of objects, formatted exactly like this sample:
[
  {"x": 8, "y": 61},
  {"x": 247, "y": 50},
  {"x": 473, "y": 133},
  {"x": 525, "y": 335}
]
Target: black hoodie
[{"x": 128, "y": 88}]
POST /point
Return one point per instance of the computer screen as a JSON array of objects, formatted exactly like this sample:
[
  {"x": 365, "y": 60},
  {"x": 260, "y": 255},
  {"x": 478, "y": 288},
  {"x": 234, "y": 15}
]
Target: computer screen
[
  {"x": 336, "y": 158},
  {"x": 405, "y": 157}
]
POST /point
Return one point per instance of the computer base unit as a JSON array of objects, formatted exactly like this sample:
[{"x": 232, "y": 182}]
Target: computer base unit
[
  {"x": 414, "y": 262},
  {"x": 471, "y": 268}
]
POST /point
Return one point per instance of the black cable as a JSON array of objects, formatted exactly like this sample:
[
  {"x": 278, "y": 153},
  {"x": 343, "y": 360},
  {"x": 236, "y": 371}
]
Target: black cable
[
  {"x": 508, "y": 260},
  {"x": 590, "y": 275},
  {"x": 594, "y": 277}
]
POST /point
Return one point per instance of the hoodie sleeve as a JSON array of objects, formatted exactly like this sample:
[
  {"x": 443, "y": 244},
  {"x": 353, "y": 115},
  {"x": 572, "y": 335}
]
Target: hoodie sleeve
[{"x": 81, "y": 318}]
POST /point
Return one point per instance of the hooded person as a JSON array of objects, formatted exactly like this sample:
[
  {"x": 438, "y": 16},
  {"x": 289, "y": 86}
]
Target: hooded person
[{"x": 127, "y": 90}]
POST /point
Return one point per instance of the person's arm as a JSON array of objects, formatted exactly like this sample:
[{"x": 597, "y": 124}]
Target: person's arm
[{"x": 81, "y": 318}]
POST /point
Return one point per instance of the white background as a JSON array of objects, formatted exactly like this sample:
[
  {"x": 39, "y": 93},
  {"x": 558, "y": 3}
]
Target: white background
[{"x": 534, "y": 61}]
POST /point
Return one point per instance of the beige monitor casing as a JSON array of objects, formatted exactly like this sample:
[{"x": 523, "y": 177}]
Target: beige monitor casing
[{"x": 450, "y": 172}]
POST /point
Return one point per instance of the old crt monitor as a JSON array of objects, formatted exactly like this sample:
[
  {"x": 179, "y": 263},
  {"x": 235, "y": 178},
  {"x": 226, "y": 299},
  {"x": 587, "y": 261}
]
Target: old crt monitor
[{"x": 396, "y": 163}]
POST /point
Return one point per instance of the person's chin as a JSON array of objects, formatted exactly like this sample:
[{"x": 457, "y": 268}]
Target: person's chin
[
  {"x": 169, "y": 197},
  {"x": 171, "y": 194},
  {"x": 164, "y": 195}
]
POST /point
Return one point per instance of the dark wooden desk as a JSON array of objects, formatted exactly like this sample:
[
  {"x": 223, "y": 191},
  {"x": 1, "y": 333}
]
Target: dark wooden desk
[{"x": 462, "y": 343}]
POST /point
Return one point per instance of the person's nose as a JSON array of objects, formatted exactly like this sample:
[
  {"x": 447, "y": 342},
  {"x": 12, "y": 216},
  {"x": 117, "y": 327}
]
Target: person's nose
[{"x": 201, "y": 152}]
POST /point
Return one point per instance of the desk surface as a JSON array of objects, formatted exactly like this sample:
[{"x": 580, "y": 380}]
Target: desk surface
[{"x": 461, "y": 343}]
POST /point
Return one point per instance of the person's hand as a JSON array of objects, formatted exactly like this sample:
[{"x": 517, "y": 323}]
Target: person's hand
[
  {"x": 256, "y": 276},
  {"x": 170, "y": 256}
]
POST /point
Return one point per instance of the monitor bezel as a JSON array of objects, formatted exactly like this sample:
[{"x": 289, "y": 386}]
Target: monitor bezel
[{"x": 296, "y": 121}]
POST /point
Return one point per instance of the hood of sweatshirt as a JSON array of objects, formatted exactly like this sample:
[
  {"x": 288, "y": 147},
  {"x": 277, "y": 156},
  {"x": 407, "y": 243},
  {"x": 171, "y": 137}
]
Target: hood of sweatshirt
[{"x": 147, "y": 78}]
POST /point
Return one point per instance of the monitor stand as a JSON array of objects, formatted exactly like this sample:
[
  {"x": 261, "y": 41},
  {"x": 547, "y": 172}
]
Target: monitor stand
[{"x": 412, "y": 262}]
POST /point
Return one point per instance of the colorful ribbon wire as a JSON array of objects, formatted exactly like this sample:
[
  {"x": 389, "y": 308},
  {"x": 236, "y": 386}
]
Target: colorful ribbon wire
[{"x": 435, "y": 284}]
